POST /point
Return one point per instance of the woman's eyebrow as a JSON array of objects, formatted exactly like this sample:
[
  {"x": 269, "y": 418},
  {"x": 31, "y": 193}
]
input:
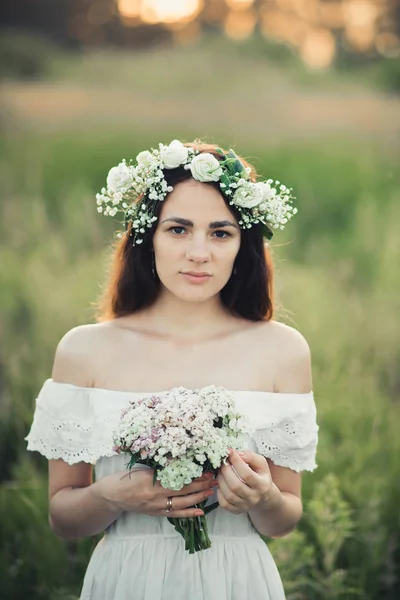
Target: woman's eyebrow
[
  {"x": 213, "y": 225},
  {"x": 218, "y": 224}
]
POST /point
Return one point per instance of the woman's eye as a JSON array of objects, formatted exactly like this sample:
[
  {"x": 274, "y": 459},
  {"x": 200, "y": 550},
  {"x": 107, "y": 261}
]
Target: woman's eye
[
  {"x": 225, "y": 234},
  {"x": 177, "y": 227},
  {"x": 220, "y": 234}
]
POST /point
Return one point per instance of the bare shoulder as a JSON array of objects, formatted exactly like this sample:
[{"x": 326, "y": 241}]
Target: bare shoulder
[
  {"x": 76, "y": 352},
  {"x": 291, "y": 355},
  {"x": 288, "y": 339}
]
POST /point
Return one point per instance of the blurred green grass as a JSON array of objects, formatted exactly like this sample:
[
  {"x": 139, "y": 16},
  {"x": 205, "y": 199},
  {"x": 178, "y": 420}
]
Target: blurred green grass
[{"x": 337, "y": 282}]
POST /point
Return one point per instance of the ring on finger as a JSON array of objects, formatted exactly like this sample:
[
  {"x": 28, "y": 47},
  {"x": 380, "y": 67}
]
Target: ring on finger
[
  {"x": 169, "y": 505},
  {"x": 238, "y": 476}
]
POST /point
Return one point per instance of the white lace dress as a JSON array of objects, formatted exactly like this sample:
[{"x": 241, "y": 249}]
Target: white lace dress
[{"x": 141, "y": 557}]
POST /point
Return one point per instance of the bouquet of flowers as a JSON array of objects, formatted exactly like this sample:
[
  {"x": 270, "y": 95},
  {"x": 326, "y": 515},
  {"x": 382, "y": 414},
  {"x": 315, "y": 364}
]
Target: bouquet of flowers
[{"x": 181, "y": 434}]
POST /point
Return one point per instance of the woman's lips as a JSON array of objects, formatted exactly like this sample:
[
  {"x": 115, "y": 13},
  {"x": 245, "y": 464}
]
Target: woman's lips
[{"x": 196, "y": 278}]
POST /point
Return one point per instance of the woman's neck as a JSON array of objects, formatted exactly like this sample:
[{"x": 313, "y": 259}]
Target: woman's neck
[{"x": 175, "y": 318}]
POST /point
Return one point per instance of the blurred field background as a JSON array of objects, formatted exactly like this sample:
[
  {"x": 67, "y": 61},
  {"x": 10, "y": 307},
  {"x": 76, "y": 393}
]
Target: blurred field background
[{"x": 309, "y": 92}]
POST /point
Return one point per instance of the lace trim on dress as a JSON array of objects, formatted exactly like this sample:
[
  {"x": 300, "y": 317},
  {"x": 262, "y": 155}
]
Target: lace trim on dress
[
  {"x": 76, "y": 425},
  {"x": 73, "y": 441},
  {"x": 296, "y": 457}
]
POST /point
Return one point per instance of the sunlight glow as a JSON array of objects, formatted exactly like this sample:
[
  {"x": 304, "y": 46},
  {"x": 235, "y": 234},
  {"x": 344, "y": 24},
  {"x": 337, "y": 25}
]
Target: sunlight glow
[
  {"x": 360, "y": 13},
  {"x": 160, "y": 11},
  {"x": 240, "y": 24},
  {"x": 360, "y": 38},
  {"x": 187, "y": 34},
  {"x": 331, "y": 14},
  {"x": 239, "y": 4},
  {"x": 318, "y": 49},
  {"x": 311, "y": 27},
  {"x": 306, "y": 9},
  {"x": 129, "y": 8}
]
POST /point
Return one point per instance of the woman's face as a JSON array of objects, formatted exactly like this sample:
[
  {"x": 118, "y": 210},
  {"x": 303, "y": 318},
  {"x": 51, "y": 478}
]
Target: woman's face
[{"x": 196, "y": 242}]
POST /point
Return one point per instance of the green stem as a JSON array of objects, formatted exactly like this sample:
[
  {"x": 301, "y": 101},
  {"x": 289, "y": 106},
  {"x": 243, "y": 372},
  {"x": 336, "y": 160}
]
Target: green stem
[
  {"x": 191, "y": 537},
  {"x": 206, "y": 532},
  {"x": 194, "y": 530}
]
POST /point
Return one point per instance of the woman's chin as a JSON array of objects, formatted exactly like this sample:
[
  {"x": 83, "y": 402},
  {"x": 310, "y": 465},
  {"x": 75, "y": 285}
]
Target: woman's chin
[
  {"x": 192, "y": 293},
  {"x": 194, "y": 296}
]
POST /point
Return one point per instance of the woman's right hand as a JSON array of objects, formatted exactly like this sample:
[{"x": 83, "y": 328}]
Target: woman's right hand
[{"x": 134, "y": 492}]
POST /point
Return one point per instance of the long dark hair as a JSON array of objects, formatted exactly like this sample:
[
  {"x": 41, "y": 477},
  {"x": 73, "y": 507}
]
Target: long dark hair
[{"x": 132, "y": 286}]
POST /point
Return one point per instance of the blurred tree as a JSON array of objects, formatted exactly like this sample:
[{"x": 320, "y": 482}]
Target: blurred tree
[
  {"x": 42, "y": 16},
  {"x": 318, "y": 30}
]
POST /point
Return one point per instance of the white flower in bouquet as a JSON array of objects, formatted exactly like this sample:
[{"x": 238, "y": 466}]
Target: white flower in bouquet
[{"x": 178, "y": 473}]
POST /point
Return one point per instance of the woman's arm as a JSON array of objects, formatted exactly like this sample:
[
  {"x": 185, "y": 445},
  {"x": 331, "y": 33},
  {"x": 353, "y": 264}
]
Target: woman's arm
[
  {"x": 279, "y": 515},
  {"x": 77, "y": 506},
  {"x": 75, "y": 509}
]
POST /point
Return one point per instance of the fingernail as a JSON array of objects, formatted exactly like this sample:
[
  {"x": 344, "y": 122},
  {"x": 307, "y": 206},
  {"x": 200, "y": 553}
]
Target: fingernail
[
  {"x": 198, "y": 513},
  {"x": 240, "y": 452}
]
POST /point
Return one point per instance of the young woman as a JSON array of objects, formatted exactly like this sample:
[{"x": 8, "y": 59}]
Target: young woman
[{"x": 189, "y": 303}]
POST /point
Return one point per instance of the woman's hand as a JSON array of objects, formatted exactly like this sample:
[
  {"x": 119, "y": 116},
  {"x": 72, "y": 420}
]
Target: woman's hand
[
  {"x": 251, "y": 485},
  {"x": 135, "y": 492}
]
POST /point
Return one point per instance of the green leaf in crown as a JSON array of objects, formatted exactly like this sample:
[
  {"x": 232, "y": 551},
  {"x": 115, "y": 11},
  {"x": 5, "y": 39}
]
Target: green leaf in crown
[
  {"x": 267, "y": 233},
  {"x": 236, "y": 166}
]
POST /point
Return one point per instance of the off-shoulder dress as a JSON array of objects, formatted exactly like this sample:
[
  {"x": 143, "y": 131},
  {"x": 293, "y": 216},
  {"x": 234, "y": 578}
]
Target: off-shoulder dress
[{"x": 141, "y": 557}]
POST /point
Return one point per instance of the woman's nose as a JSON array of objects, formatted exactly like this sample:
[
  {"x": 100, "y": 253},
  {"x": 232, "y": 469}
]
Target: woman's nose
[{"x": 198, "y": 250}]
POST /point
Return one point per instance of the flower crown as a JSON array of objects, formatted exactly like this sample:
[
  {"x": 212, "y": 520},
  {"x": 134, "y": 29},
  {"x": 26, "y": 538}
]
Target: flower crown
[{"x": 135, "y": 189}]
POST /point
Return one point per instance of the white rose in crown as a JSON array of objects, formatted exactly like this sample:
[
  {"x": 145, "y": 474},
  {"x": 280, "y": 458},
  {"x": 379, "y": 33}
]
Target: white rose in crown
[
  {"x": 145, "y": 158},
  {"x": 267, "y": 191},
  {"x": 120, "y": 178},
  {"x": 248, "y": 194},
  {"x": 174, "y": 155},
  {"x": 205, "y": 167}
]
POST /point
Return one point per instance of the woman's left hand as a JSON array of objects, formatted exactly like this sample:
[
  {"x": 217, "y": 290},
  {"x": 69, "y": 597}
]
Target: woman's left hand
[{"x": 252, "y": 484}]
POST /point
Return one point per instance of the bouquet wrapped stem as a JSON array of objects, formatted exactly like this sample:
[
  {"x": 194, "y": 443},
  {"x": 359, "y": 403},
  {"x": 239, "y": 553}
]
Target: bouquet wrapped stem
[
  {"x": 195, "y": 531},
  {"x": 181, "y": 435}
]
